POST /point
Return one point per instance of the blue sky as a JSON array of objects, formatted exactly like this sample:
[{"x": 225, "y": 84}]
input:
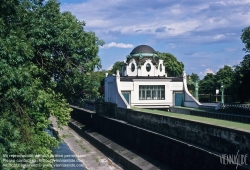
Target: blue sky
[{"x": 202, "y": 34}]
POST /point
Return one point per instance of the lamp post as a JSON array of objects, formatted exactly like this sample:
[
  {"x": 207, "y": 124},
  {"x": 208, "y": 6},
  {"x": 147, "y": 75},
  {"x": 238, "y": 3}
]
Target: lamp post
[
  {"x": 222, "y": 94},
  {"x": 196, "y": 87},
  {"x": 217, "y": 92}
]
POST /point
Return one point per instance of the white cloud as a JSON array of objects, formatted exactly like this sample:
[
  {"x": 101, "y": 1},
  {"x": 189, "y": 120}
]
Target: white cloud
[
  {"x": 219, "y": 36},
  {"x": 185, "y": 18},
  {"x": 172, "y": 45},
  {"x": 209, "y": 71},
  {"x": 118, "y": 45},
  {"x": 231, "y": 49},
  {"x": 210, "y": 29},
  {"x": 110, "y": 67},
  {"x": 201, "y": 75}
]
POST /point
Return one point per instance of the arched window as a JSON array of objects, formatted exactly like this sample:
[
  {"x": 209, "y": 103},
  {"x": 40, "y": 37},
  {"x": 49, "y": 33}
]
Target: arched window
[
  {"x": 160, "y": 67},
  {"x": 148, "y": 67},
  {"x": 132, "y": 67}
]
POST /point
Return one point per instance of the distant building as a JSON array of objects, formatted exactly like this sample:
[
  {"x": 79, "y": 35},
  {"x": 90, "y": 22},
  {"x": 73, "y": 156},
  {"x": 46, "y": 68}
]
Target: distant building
[
  {"x": 209, "y": 71},
  {"x": 145, "y": 84}
]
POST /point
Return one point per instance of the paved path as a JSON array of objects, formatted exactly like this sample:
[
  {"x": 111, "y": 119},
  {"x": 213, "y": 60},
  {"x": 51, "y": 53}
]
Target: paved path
[
  {"x": 89, "y": 155},
  {"x": 65, "y": 150},
  {"x": 210, "y": 104}
]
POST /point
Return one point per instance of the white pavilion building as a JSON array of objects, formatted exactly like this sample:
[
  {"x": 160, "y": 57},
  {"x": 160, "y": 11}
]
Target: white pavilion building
[{"x": 145, "y": 84}]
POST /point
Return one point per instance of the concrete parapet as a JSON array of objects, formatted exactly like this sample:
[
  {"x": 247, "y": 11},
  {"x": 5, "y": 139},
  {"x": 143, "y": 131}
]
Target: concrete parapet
[{"x": 182, "y": 144}]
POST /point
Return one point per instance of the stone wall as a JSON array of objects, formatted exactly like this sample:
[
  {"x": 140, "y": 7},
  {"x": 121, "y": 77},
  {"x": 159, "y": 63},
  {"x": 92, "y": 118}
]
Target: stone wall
[
  {"x": 177, "y": 154},
  {"x": 242, "y": 116},
  {"x": 223, "y": 140},
  {"x": 89, "y": 105},
  {"x": 180, "y": 143},
  {"x": 217, "y": 138}
]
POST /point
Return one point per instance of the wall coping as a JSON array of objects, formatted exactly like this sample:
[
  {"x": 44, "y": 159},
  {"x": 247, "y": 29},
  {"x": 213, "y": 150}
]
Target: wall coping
[
  {"x": 86, "y": 110},
  {"x": 199, "y": 122}
]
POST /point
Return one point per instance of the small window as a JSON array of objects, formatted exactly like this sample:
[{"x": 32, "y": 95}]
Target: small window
[
  {"x": 132, "y": 67},
  {"x": 148, "y": 67},
  {"x": 160, "y": 67}
]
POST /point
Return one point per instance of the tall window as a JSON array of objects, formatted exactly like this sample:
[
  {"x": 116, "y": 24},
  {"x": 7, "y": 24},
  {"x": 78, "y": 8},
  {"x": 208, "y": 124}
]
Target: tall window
[
  {"x": 151, "y": 92},
  {"x": 148, "y": 67},
  {"x": 132, "y": 67}
]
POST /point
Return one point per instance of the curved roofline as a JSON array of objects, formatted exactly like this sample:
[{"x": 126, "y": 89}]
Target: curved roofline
[
  {"x": 143, "y": 54},
  {"x": 143, "y": 49}
]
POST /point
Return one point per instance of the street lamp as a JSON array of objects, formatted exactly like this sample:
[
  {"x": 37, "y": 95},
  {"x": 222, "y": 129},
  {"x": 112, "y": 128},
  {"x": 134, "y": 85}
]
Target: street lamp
[
  {"x": 217, "y": 92},
  {"x": 196, "y": 87},
  {"x": 222, "y": 94}
]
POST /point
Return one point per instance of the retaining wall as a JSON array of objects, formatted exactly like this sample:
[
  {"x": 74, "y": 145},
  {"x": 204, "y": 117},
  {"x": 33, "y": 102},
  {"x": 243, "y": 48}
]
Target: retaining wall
[
  {"x": 245, "y": 118},
  {"x": 169, "y": 139}
]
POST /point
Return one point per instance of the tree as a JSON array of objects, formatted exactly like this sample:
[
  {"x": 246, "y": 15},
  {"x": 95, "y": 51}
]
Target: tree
[
  {"x": 173, "y": 67},
  {"x": 241, "y": 79},
  {"x": 245, "y": 37},
  {"x": 194, "y": 77},
  {"x": 46, "y": 57},
  {"x": 225, "y": 75},
  {"x": 242, "y": 72},
  {"x": 99, "y": 77},
  {"x": 207, "y": 85},
  {"x": 191, "y": 87},
  {"x": 117, "y": 66}
]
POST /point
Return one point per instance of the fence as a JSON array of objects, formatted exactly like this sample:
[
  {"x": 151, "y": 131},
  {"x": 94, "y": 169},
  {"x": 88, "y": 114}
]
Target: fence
[
  {"x": 243, "y": 109},
  {"x": 212, "y": 98}
]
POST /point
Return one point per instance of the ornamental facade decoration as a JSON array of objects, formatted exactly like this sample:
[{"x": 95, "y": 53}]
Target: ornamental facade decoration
[{"x": 141, "y": 58}]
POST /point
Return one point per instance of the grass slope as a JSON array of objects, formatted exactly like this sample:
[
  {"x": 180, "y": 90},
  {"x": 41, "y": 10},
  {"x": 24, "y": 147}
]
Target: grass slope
[{"x": 218, "y": 122}]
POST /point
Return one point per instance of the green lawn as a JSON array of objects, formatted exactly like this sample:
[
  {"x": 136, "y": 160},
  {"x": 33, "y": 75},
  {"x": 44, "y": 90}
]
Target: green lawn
[
  {"x": 227, "y": 111},
  {"x": 218, "y": 122}
]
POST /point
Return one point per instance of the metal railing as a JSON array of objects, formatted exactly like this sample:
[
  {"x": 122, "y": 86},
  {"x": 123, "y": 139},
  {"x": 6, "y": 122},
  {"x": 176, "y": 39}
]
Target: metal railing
[{"x": 237, "y": 106}]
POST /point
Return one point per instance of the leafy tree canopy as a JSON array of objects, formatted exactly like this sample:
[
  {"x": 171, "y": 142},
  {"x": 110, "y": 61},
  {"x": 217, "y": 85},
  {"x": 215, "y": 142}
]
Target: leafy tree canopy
[
  {"x": 242, "y": 71},
  {"x": 208, "y": 84},
  {"x": 245, "y": 37},
  {"x": 194, "y": 77},
  {"x": 242, "y": 80},
  {"x": 173, "y": 67},
  {"x": 117, "y": 66},
  {"x": 46, "y": 57},
  {"x": 225, "y": 75},
  {"x": 99, "y": 77}
]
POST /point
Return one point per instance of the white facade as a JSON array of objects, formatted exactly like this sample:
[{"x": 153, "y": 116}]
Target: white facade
[
  {"x": 144, "y": 84},
  {"x": 141, "y": 71},
  {"x": 116, "y": 86}
]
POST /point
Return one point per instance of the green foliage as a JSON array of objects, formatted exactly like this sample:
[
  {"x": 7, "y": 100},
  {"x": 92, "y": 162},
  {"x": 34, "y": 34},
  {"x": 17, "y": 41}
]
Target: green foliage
[
  {"x": 245, "y": 37},
  {"x": 194, "y": 77},
  {"x": 225, "y": 75},
  {"x": 173, "y": 67},
  {"x": 208, "y": 84},
  {"x": 211, "y": 82},
  {"x": 117, "y": 66},
  {"x": 46, "y": 60},
  {"x": 241, "y": 79},
  {"x": 99, "y": 77},
  {"x": 242, "y": 70}
]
